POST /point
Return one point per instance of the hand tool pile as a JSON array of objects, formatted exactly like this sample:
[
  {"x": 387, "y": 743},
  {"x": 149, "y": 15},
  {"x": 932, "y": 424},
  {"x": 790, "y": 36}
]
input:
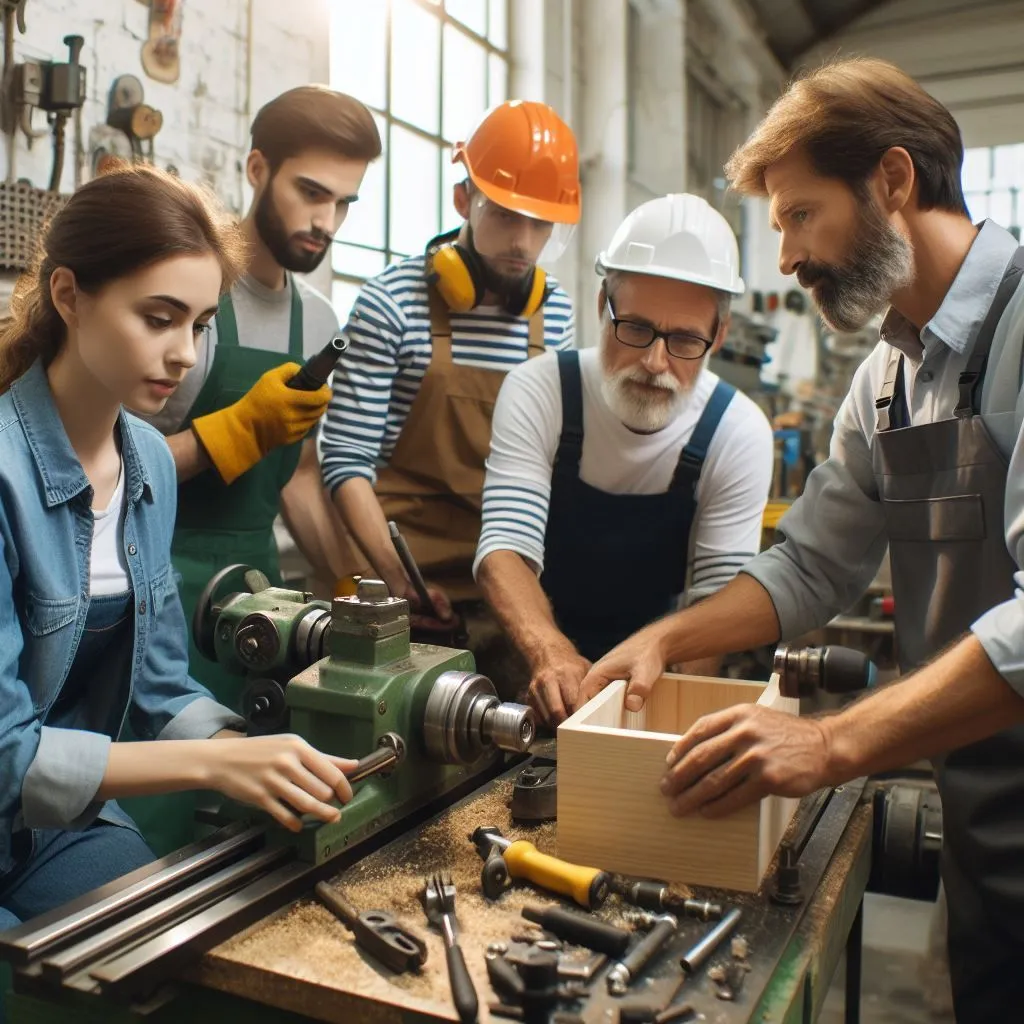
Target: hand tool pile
[{"x": 548, "y": 970}]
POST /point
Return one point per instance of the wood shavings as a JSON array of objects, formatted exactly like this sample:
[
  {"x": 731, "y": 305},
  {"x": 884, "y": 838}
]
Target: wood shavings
[{"x": 305, "y": 942}]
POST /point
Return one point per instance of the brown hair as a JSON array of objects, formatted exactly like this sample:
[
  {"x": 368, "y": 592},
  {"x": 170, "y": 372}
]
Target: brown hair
[
  {"x": 315, "y": 117},
  {"x": 845, "y": 115},
  {"x": 124, "y": 220}
]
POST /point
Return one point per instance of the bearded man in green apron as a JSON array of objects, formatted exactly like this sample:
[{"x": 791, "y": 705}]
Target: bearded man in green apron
[
  {"x": 239, "y": 435},
  {"x": 861, "y": 168}
]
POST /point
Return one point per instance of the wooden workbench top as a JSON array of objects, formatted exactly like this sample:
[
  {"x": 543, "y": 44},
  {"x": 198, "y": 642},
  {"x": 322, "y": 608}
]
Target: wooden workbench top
[{"x": 303, "y": 960}]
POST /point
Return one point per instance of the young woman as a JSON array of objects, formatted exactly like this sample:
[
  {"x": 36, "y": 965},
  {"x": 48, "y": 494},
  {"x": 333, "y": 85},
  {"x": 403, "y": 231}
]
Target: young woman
[{"x": 91, "y": 627}]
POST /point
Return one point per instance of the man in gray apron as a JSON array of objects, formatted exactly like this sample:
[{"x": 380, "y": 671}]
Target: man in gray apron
[{"x": 861, "y": 168}]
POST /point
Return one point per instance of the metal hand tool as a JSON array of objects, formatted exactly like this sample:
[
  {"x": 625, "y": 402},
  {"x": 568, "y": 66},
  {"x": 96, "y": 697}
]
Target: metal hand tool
[
  {"x": 412, "y": 570},
  {"x": 438, "y": 899},
  {"x": 580, "y": 929},
  {"x": 657, "y": 896},
  {"x": 506, "y": 860},
  {"x": 626, "y": 971},
  {"x": 376, "y": 931},
  {"x": 316, "y": 369}
]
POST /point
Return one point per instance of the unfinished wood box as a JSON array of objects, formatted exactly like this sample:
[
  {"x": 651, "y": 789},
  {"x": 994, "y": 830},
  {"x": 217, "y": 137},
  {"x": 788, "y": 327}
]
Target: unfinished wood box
[{"x": 611, "y": 813}]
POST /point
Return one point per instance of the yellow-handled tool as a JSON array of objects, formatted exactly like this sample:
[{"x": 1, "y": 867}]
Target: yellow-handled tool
[{"x": 507, "y": 861}]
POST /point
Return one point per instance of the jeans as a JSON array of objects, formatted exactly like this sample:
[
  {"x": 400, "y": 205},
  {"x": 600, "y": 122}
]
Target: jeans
[{"x": 61, "y": 866}]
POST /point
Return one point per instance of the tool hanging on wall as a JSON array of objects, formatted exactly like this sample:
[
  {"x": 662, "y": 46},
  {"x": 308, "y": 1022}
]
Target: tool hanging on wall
[
  {"x": 11, "y": 12},
  {"x": 54, "y": 86},
  {"x": 161, "y": 56},
  {"x": 127, "y": 113}
]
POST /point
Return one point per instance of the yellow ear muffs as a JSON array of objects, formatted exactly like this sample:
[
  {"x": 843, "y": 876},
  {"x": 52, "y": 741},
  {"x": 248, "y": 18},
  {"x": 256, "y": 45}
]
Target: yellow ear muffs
[
  {"x": 452, "y": 274},
  {"x": 530, "y": 297}
]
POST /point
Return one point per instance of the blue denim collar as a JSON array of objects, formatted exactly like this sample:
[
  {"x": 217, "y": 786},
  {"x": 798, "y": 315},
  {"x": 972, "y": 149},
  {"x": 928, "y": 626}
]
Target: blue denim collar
[{"x": 56, "y": 462}]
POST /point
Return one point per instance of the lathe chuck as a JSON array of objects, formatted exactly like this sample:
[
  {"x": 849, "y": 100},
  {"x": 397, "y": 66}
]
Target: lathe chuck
[{"x": 464, "y": 717}]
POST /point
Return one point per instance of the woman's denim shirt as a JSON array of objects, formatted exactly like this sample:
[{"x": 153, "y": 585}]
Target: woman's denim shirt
[{"x": 49, "y": 776}]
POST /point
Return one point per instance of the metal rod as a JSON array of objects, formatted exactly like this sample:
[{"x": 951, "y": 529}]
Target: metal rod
[
  {"x": 48, "y": 931},
  {"x": 694, "y": 958},
  {"x": 380, "y": 760},
  {"x": 412, "y": 569},
  {"x": 225, "y": 881},
  {"x": 138, "y": 971}
]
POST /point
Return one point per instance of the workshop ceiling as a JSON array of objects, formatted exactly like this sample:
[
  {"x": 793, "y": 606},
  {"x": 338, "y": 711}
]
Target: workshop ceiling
[{"x": 792, "y": 27}]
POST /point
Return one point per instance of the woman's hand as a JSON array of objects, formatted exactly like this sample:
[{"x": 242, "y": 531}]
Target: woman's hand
[{"x": 283, "y": 775}]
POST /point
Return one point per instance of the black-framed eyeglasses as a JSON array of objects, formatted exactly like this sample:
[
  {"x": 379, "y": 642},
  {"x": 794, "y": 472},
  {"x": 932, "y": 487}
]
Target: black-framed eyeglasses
[{"x": 678, "y": 344}]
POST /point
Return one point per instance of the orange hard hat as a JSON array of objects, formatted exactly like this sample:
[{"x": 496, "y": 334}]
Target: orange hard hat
[{"x": 523, "y": 157}]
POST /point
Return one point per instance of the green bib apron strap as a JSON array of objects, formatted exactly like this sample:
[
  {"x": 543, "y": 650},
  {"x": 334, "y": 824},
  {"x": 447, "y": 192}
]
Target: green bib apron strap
[{"x": 217, "y": 525}]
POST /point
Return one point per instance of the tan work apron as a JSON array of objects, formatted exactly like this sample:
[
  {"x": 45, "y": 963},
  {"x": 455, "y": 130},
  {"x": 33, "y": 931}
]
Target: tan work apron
[{"x": 433, "y": 483}]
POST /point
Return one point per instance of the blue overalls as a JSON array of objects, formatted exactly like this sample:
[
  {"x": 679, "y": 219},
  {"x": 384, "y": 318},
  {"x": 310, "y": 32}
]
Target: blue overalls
[{"x": 596, "y": 540}]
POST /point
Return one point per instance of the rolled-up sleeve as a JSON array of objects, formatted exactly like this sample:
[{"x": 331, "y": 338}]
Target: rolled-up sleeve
[
  {"x": 63, "y": 779},
  {"x": 1001, "y": 629},
  {"x": 833, "y": 538}
]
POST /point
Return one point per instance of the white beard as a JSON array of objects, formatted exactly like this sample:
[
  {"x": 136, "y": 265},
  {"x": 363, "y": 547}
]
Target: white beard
[{"x": 645, "y": 409}]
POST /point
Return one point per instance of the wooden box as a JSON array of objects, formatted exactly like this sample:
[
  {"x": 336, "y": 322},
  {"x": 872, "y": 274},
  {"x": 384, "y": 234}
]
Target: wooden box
[{"x": 611, "y": 813}]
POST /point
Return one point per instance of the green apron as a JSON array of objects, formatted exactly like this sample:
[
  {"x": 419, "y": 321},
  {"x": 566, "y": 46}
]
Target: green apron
[{"x": 217, "y": 525}]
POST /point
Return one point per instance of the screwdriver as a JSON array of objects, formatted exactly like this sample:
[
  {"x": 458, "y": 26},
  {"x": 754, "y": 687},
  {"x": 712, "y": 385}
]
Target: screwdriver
[{"x": 589, "y": 887}]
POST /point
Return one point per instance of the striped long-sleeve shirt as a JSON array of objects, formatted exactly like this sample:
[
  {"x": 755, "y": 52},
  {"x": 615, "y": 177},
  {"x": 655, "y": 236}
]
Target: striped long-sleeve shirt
[
  {"x": 389, "y": 351},
  {"x": 731, "y": 493}
]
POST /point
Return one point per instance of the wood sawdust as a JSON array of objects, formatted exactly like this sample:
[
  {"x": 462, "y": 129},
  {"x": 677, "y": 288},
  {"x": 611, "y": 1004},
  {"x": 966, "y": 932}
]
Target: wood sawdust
[{"x": 306, "y": 942}]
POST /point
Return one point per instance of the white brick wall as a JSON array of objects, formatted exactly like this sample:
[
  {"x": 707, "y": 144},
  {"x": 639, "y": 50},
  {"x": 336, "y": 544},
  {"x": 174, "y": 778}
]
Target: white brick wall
[{"x": 225, "y": 77}]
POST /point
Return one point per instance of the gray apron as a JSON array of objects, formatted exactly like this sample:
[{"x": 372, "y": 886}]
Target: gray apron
[{"x": 942, "y": 488}]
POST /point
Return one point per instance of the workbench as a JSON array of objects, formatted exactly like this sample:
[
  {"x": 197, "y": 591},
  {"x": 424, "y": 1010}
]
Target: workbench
[{"x": 300, "y": 964}]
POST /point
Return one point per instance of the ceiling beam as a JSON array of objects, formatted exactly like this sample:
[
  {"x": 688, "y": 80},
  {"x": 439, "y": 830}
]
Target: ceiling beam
[{"x": 834, "y": 27}]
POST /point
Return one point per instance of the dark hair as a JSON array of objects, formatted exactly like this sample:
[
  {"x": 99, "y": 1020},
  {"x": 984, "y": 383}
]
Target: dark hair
[
  {"x": 315, "y": 117},
  {"x": 126, "y": 219},
  {"x": 845, "y": 115}
]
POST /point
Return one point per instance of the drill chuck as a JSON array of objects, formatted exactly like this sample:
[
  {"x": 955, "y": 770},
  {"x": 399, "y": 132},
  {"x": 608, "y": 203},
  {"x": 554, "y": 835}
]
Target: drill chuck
[{"x": 830, "y": 669}]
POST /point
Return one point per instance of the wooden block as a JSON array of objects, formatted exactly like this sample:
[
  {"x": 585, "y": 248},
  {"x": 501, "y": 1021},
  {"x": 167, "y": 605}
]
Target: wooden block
[{"x": 611, "y": 813}]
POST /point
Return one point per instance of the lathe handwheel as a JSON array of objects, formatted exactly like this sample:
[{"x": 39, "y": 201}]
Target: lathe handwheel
[
  {"x": 264, "y": 707},
  {"x": 204, "y": 619}
]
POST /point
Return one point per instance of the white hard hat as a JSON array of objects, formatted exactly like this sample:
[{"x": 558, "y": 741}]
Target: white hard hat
[{"x": 679, "y": 236}]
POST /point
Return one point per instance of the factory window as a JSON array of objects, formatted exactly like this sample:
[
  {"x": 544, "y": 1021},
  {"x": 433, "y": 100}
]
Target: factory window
[
  {"x": 993, "y": 182},
  {"x": 428, "y": 69}
]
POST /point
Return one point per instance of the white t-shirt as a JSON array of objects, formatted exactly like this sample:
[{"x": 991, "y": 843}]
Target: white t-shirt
[
  {"x": 731, "y": 494},
  {"x": 108, "y": 568}
]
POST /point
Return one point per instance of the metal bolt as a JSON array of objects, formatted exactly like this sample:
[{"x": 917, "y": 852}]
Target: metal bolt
[
  {"x": 327, "y": 851},
  {"x": 225, "y": 632},
  {"x": 497, "y": 948},
  {"x": 382, "y": 708}
]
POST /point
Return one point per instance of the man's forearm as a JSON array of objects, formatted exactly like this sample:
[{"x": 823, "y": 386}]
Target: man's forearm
[
  {"x": 956, "y": 700},
  {"x": 190, "y": 458},
  {"x": 512, "y": 589},
  {"x": 362, "y": 514},
  {"x": 736, "y": 618}
]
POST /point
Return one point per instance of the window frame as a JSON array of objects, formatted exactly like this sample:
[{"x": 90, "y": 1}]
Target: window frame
[{"x": 387, "y": 119}]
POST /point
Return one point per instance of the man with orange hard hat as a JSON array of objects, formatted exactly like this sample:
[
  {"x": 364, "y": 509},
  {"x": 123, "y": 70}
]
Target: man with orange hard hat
[{"x": 430, "y": 341}]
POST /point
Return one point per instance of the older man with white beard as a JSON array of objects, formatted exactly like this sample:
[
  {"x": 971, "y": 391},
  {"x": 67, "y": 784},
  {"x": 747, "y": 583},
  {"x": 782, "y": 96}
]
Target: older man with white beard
[{"x": 627, "y": 478}]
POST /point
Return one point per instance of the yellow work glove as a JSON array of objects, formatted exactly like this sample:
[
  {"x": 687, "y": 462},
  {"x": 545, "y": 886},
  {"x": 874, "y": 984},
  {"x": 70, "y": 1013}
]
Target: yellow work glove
[{"x": 270, "y": 414}]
